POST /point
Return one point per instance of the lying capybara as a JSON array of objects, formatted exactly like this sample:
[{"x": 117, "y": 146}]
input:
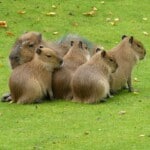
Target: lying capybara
[
  {"x": 90, "y": 82},
  {"x": 127, "y": 53},
  {"x": 31, "y": 82},
  {"x": 76, "y": 56}
]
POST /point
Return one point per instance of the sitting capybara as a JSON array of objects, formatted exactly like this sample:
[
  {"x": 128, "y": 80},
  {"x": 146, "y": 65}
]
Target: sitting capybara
[
  {"x": 127, "y": 53},
  {"x": 90, "y": 82},
  {"x": 76, "y": 56},
  {"x": 31, "y": 82}
]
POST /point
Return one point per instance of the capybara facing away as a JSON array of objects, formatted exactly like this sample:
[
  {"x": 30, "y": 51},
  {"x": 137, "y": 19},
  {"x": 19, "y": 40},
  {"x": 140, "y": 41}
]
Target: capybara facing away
[
  {"x": 31, "y": 82},
  {"x": 127, "y": 53},
  {"x": 90, "y": 82},
  {"x": 76, "y": 56}
]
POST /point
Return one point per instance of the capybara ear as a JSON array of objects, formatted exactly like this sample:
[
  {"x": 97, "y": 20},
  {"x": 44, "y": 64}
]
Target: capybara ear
[
  {"x": 98, "y": 49},
  {"x": 72, "y": 42},
  {"x": 39, "y": 37},
  {"x": 38, "y": 51},
  {"x": 131, "y": 39},
  {"x": 80, "y": 44},
  {"x": 124, "y": 36},
  {"x": 103, "y": 54}
]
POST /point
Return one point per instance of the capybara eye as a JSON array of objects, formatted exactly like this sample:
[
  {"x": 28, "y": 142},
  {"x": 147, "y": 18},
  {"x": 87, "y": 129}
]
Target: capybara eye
[
  {"x": 48, "y": 56},
  {"x": 31, "y": 45},
  {"x": 138, "y": 45},
  {"x": 111, "y": 59}
]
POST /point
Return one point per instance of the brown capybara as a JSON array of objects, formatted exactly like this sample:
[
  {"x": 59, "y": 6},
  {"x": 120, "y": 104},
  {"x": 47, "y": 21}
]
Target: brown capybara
[
  {"x": 90, "y": 82},
  {"x": 31, "y": 82},
  {"x": 127, "y": 53},
  {"x": 76, "y": 56}
]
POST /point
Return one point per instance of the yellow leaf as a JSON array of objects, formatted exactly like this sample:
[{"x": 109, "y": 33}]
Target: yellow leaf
[
  {"x": 9, "y": 33},
  {"x": 54, "y": 33},
  {"x": 145, "y": 33},
  {"x": 145, "y": 19},
  {"x": 94, "y": 8},
  {"x": 90, "y": 13},
  {"x": 116, "y": 19},
  {"x": 53, "y": 6},
  {"x": 108, "y": 19},
  {"x": 51, "y": 14},
  {"x": 21, "y": 12},
  {"x": 102, "y": 2},
  {"x": 122, "y": 112},
  {"x": 113, "y": 23},
  {"x": 3, "y": 24}
]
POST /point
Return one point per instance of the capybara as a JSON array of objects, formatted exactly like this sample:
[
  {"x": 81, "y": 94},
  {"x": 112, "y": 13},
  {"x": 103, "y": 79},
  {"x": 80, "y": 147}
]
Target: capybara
[
  {"x": 127, "y": 53},
  {"x": 90, "y": 82},
  {"x": 31, "y": 82},
  {"x": 76, "y": 56}
]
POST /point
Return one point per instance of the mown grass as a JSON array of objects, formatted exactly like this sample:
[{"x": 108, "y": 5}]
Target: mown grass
[{"x": 63, "y": 124}]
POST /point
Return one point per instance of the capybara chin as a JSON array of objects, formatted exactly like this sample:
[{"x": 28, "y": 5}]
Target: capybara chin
[
  {"x": 31, "y": 82},
  {"x": 76, "y": 56},
  {"x": 90, "y": 82},
  {"x": 127, "y": 53}
]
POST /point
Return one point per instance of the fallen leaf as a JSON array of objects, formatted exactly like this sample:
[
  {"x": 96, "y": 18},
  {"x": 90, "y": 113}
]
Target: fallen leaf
[
  {"x": 122, "y": 112},
  {"x": 51, "y": 14},
  {"x": 142, "y": 135},
  {"x": 75, "y": 24},
  {"x": 3, "y": 24},
  {"x": 116, "y": 19},
  {"x": 136, "y": 79},
  {"x": 102, "y": 2},
  {"x": 94, "y": 8},
  {"x": 113, "y": 23},
  {"x": 145, "y": 33},
  {"x": 21, "y": 12},
  {"x": 136, "y": 93},
  {"x": 90, "y": 13},
  {"x": 9, "y": 33},
  {"x": 145, "y": 19},
  {"x": 54, "y": 33},
  {"x": 53, "y": 6}
]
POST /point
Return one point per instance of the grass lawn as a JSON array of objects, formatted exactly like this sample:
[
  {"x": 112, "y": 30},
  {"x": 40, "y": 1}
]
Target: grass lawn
[{"x": 121, "y": 123}]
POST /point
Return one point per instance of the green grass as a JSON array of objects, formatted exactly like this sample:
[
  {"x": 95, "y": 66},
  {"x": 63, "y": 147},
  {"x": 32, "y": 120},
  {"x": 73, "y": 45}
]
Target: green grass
[{"x": 60, "y": 125}]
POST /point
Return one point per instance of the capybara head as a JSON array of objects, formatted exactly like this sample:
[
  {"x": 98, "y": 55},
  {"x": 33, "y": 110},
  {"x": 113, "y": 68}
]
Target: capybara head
[
  {"x": 137, "y": 47},
  {"x": 109, "y": 60},
  {"x": 49, "y": 57},
  {"x": 24, "y": 48}
]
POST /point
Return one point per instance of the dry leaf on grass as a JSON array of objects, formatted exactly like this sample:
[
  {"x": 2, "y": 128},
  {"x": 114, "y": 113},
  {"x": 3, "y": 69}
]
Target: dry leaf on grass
[
  {"x": 145, "y": 33},
  {"x": 122, "y": 112},
  {"x": 55, "y": 33},
  {"x": 21, "y": 12},
  {"x": 51, "y": 14},
  {"x": 9, "y": 33},
  {"x": 3, "y": 24},
  {"x": 145, "y": 19},
  {"x": 90, "y": 13}
]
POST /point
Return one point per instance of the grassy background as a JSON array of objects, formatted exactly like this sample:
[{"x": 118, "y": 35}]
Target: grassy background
[{"x": 66, "y": 125}]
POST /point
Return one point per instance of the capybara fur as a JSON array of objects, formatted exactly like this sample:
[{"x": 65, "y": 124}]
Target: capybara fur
[
  {"x": 31, "y": 82},
  {"x": 127, "y": 53},
  {"x": 90, "y": 82},
  {"x": 76, "y": 56}
]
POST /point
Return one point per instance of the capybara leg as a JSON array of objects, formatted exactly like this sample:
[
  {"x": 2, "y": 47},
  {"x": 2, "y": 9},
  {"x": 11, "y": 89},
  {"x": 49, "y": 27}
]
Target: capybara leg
[
  {"x": 130, "y": 88},
  {"x": 6, "y": 98}
]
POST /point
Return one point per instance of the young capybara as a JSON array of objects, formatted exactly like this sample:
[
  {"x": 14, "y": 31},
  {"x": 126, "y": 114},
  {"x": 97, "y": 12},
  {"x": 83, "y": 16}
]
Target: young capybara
[
  {"x": 76, "y": 56},
  {"x": 31, "y": 82},
  {"x": 90, "y": 82},
  {"x": 127, "y": 53}
]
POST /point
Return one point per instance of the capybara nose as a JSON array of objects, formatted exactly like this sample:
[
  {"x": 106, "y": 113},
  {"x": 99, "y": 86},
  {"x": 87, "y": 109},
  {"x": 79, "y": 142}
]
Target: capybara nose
[
  {"x": 41, "y": 46},
  {"x": 11, "y": 57},
  {"x": 61, "y": 62}
]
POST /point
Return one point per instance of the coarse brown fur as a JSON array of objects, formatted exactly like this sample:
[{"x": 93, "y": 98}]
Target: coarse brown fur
[
  {"x": 76, "y": 56},
  {"x": 30, "y": 82},
  {"x": 127, "y": 53},
  {"x": 90, "y": 82}
]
